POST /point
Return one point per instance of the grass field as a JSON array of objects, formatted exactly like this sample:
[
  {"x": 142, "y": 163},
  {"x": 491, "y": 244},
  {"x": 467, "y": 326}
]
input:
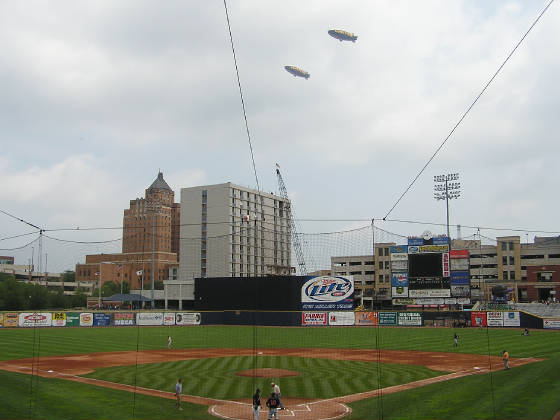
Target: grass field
[{"x": 525, "y": 392}]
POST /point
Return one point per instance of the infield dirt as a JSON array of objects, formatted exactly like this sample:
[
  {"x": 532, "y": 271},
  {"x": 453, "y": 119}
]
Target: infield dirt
[{"x": 70, "y": 366}]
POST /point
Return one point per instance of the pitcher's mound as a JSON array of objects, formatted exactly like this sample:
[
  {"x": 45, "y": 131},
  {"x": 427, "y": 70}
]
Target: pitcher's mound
[{"x": 267, "y": 373}]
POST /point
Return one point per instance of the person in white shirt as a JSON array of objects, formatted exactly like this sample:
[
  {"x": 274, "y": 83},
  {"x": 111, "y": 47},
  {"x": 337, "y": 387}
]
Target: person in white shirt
[
  {"x": 178, "y": 391},
  {"x": 276, "y": 390}
]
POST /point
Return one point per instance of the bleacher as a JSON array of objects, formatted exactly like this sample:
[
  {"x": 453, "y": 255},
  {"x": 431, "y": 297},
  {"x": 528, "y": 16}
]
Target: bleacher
[{"x": 539, "y": 309}]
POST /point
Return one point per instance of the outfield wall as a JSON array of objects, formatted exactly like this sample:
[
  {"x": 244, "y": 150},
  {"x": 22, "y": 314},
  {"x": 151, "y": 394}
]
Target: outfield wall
[{"x": 498, "y": 319}]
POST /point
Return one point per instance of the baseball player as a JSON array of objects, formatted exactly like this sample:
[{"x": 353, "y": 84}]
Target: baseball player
[
  {"x": 178, "y": 391},
  {"x": 169, "y": 342},
  {"x": 455, "y": 340},
  {"x": 256, "y": 404},
  {"x": 276, "y": 390},
  {"x": 505, "y": 358},
  {"x": 272, "y": 403}
]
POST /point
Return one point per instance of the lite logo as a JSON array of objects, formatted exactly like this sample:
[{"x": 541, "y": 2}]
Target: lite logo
[{"x": 328, "y": 289}]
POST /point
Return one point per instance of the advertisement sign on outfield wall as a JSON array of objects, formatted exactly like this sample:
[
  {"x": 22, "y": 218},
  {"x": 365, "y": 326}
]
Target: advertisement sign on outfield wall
[
  {"x": 478, "y": 319},
  {"x": 328, "y": 292},
  {"x": 366, "y": 318},
  {"x": 399, "y": 257},
  {"x": 101, "y": 320},
  {"x": 313, "y": 318},
  {"x": 511, "y": 319},
  {"x": 123, "y": 318},
  {"x": 187, "y": 318},
  {"x": 409, "y": 319},
  {"x": 494, "y": 319},
  {"x": 341, "y": 318},
  {"x": 1, "y": 320},
  {"x": 169, "y": 318},
  {"x": 35, "y": 319},
  {"x": 86, "y": 319},
  {"x": 387, "y": 318},
  {"x": 551, "y": 323},
  {"x": 398, "y": 249},
  {"x": 72, "y": 319},
  {"x": 149, "y": 318},
  {"x": 11, "y": 319},
  {"x": 59, "y": 319}
]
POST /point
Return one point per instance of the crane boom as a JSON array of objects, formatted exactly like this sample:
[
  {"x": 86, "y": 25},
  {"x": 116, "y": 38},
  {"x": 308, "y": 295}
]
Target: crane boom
[{"x": 296, "y": 243}]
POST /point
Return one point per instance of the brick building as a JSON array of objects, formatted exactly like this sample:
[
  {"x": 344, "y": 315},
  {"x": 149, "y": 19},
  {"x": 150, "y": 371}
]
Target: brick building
[{"x": 153, "y": 219}]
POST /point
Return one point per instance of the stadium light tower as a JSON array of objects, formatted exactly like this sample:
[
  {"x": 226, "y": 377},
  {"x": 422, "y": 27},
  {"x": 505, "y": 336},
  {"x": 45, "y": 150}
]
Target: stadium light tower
[{"x": 445, "y": 189}]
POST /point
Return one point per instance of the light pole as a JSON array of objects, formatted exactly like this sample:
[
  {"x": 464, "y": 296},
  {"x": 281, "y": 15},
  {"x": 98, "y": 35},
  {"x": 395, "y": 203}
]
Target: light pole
[{"x": 444, "y": 189}]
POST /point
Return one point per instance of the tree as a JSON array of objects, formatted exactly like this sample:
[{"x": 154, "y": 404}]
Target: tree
[
  {"x": 38, "y": 296},
  {"x": 12, "y": 295},
  {"x": 69, "y": 276}
]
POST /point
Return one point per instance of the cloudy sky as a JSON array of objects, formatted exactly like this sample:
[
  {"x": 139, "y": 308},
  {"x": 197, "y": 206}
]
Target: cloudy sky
[{"x": 96, "y": 96}]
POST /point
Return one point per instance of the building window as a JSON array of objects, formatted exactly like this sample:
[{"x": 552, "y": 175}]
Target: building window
[
  {"x": 504, "y": 260},
  {"x": 381, "y": 265},
  {"x": 511, "y": 261},
  {"x": 504, "y": 246},
  {"x": 505, "y": 274},
  {"x": 512, "y": 275}
]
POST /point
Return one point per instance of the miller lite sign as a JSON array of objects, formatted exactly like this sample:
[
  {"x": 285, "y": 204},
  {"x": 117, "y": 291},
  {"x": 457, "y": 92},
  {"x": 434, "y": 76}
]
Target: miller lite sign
[{"x": 328, "y": 292}]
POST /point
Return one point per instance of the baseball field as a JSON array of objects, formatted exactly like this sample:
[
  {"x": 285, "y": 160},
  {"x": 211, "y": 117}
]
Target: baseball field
[{"x": 324, "y": 373}]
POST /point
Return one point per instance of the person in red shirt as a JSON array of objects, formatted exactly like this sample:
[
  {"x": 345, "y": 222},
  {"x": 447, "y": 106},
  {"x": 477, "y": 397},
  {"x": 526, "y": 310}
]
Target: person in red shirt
[{"x": 505, "y": 358}]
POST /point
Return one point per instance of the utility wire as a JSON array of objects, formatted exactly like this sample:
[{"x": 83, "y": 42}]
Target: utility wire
[
  {"x": 18, "y": 236},
  {"x": 467, "y": 111},
  {"x": 242, "y": 100}
]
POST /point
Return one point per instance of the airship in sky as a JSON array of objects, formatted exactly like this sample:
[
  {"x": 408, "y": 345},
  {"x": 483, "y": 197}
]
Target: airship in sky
[
  {"x": 297, "y": 72},
  {"x": 342, "y": 35}
]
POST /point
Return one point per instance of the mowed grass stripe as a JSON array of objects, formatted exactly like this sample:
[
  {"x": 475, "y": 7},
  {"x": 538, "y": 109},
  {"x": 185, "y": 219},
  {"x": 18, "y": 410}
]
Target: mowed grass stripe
[
  {"x": 25, "y": 343},
  {"x": 216, "y": 377}
]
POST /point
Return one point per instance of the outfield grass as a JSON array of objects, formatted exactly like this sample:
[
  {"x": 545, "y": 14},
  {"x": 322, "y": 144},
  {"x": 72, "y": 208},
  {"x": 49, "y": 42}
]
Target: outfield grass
[
  {"x": 55, "y": 399},
  {"x": 529, "y": 392},
  {"x": 525, "y": 392},
  {"x": 216, "y": 377},
  {"x": 23, "y": 343}
]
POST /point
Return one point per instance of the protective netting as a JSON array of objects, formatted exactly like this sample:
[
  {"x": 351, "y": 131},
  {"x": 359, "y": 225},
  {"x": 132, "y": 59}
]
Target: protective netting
[{"x": 382, "y": 363}]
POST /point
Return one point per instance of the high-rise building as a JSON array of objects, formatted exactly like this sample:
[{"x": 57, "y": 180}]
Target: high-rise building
[
  {"x": 230, "y": 231},
  {"x": 152, "y": 220},
  {"x": 158, "y": 211}
]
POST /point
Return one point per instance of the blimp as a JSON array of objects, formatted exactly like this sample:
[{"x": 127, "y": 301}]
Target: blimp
[
  {"x": 342, "y": 35},
  {"x": 297, "y": 72}
]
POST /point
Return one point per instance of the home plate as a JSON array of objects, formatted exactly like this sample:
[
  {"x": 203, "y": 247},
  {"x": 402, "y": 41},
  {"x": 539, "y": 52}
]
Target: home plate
[
  {"x": 50, "y": 371},
  {"x": 476, "y": 368}
]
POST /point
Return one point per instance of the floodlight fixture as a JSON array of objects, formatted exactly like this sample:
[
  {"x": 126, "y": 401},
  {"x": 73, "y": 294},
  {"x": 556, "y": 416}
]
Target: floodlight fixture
[{"x": 444, "y": 189}]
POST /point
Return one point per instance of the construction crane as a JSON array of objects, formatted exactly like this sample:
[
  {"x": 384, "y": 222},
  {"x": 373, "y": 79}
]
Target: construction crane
[{"x": 291, "y": 216}]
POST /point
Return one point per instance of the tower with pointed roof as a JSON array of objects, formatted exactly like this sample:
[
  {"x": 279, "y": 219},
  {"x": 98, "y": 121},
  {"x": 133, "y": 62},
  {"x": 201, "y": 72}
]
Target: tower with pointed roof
[{"x": 138, "y": 220}]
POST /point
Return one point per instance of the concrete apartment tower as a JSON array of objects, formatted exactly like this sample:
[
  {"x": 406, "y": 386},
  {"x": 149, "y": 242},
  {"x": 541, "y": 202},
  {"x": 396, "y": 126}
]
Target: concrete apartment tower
[{"x": 232, "y": 231}]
